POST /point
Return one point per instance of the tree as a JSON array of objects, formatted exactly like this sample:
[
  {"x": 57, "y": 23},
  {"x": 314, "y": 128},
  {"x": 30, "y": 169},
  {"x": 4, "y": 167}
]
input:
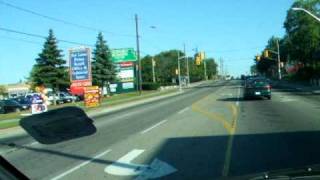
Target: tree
[
  {"x": 146, "y": 71},
  {"x": 211, "y": 68},
  {"x": 103, "y": 70},
  {"x": 50, "y": 69},
  {"x": 303, "y": 32}
]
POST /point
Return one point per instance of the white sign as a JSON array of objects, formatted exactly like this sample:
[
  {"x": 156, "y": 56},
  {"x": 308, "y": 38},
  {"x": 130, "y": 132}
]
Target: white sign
[
  {"x": 128, "y": 85},
  {"x": 113, "y": 87},
  {"x": 124, "y": 167}
]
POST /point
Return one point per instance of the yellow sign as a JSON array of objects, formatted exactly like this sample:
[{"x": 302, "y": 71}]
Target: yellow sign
[{"x": 92, "y": 96}]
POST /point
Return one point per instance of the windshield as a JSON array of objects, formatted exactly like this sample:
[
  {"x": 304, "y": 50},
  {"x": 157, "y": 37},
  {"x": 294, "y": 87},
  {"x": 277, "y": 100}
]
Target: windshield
[{"x": 138, "y": 89}]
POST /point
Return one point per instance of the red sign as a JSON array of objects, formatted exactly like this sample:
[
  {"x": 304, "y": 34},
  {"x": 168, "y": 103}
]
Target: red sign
[
  {"x": 81, "y": 83},
  {"x": 126, "y": 64}
]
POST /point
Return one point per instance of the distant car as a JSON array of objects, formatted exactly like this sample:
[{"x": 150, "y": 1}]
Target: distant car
[
  {"x": 257, "y": 87},
  {"x": 9, "y": 105}
]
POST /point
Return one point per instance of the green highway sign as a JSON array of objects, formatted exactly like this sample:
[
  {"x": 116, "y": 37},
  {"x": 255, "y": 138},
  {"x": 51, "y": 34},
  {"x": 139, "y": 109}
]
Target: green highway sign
[{"x": 123, "y": 55}]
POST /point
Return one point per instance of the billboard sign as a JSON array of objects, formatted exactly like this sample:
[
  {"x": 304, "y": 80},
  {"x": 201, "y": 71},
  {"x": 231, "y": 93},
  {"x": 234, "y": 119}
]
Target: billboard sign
[
  {"x": 92, "y": 96},
  {"x": 125, "y": 71},
  {"x": 80, "y": 66},
  {"x": 123, "y": 55}
]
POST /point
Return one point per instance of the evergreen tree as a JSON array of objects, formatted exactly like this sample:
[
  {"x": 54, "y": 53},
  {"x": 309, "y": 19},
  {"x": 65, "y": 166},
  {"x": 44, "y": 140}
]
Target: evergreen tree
[
  {"x": 103, "y": 70},
  {"x": 50, "y": 69}
]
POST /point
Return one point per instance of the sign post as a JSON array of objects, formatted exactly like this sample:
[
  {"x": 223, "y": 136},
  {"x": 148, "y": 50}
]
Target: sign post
[
  {"x": 92, "y": 96},
  {"x": 80, "y": 66},
  {"x": 124, "y": 60}
]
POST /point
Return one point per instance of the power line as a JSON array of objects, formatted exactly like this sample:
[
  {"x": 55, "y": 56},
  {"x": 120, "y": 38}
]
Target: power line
[
  {"x": 61, "y": 20},
  {"x": 42, "y": 37},
  {"x": 233, "y": 50}
]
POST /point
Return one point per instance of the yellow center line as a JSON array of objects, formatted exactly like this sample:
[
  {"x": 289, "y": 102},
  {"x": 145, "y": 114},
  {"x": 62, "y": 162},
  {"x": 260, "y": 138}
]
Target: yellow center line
[{"x": 230, "y": 127}]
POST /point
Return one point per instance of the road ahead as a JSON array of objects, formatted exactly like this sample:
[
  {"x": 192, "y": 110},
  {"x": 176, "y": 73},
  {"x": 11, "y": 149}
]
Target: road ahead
[{"x": 208, "y": 132}]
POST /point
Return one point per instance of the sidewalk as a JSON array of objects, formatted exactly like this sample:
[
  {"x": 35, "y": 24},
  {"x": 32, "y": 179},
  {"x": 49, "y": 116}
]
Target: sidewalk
[
  {"x": 298, "y": 86},
  {"x": 16, "y": 131}
]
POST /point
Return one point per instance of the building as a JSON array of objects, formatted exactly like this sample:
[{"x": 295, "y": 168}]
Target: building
[{"x": 18, "y": 89}]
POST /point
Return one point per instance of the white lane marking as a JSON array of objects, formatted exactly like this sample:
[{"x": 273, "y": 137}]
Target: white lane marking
[
  {"x": 183, "y": 110},
  {"x": 124, "y": 167},
  {"x": 154, "y": 126},
  {"x": 118, "y": 168},
  {"x": 237, "y": 103},
  {"x": 80, "y": 165}
]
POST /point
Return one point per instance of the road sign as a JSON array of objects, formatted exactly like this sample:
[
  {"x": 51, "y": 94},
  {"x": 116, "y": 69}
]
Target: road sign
[
  {"x": 80, "y": 66},
  {"x": 156, "y": 169},
  {"x": 123, "y": 55},
  {"x": 91, "y": 96}
]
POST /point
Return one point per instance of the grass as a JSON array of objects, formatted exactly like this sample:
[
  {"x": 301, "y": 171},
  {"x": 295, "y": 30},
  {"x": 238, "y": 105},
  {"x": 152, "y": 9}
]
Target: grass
[
  {"x": 107, "y": 101},
  {"x": 9, "y": 124}
]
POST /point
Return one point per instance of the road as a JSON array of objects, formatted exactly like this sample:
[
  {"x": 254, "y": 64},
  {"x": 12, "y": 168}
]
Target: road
[{"x": 208, "y": 132}]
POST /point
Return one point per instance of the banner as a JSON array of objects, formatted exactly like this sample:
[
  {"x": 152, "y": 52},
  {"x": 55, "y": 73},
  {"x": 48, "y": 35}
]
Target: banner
[
  {"x": 92, "y": 96},
  {"x": 80, "y": 66}
]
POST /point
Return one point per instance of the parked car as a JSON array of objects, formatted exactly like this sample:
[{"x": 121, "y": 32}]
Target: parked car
[
  {"x": 24, "y": 102},
  {"x": 9, "y": 105},
  {"x": 66, "y": 97},
  {"x": 257, "y": 87}
]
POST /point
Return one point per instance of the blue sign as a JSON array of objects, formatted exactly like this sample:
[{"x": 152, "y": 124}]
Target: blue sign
[{"x": 80, "y": 64}]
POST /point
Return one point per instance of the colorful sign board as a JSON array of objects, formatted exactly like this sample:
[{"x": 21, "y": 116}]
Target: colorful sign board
[
  {"x": 124, "y": 60},
  {"x": 123, "y": 55},
  {"x": 80, "y": 66},
  {"x": 92, "y": 96}
]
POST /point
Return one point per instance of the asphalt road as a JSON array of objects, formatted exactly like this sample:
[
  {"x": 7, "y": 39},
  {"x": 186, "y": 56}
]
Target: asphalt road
[{"x": 209, "y": 132}]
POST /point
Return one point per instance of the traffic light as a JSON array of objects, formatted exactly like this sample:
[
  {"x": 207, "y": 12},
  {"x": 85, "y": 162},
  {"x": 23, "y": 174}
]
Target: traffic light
[
  {"x": 258, "y": 57},
  {"x": 266, "y": 53},
  {"x": 198, "y": 59},
  {"x": 202, "y": 56}
]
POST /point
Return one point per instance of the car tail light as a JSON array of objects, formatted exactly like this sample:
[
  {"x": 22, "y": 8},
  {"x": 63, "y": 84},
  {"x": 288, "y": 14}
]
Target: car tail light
[{"x": 268, "y": 86}]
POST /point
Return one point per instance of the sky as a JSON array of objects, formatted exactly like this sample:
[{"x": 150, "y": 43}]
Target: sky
[{"x": 232, "y": 30}]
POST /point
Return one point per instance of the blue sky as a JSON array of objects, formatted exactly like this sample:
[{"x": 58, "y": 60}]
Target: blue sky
[{"x": 234, "y": 30}]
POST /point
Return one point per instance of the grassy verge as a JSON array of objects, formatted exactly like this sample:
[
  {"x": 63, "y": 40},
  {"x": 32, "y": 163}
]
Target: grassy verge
[{"x": 106, "y": 102}]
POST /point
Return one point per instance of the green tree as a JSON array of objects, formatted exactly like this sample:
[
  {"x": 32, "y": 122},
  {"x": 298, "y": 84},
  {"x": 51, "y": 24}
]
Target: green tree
[
  {"x": 211, "y": 68},
  {"x": 50, "y": 69},
  {"x": 146, "y": 65},
  {"x": 303, "y": 32},
  {"x": 103, "y": 70}
]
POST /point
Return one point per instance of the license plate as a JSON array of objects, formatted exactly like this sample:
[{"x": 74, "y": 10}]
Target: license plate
[{"x": 257, "y": 93}]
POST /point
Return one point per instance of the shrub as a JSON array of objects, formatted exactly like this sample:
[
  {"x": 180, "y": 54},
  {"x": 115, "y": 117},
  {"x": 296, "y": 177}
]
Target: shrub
[{"x": 150, "y": 86}]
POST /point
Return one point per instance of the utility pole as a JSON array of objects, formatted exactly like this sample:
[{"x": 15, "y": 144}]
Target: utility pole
[
  {"x": 221, "y": 67},
  {"x": 153, "y": 73},
  {"x": 279, "y": 63},
  {"x": 187, "y": 61},
  {"x": 138, "y": 54},
  {"x": 205, "y": 68},
  {"x": 179, "y": 73}
]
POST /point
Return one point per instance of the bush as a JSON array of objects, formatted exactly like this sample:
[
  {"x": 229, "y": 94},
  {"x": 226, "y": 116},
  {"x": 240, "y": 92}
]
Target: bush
[{"x": 150, "y": 86}]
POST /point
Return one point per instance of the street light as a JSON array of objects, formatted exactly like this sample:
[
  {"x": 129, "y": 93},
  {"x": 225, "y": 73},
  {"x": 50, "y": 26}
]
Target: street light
[{"x": 306, "y": 11}]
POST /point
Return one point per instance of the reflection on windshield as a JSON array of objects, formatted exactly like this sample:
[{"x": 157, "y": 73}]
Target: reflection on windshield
[{"x": 178, "y": 90}]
